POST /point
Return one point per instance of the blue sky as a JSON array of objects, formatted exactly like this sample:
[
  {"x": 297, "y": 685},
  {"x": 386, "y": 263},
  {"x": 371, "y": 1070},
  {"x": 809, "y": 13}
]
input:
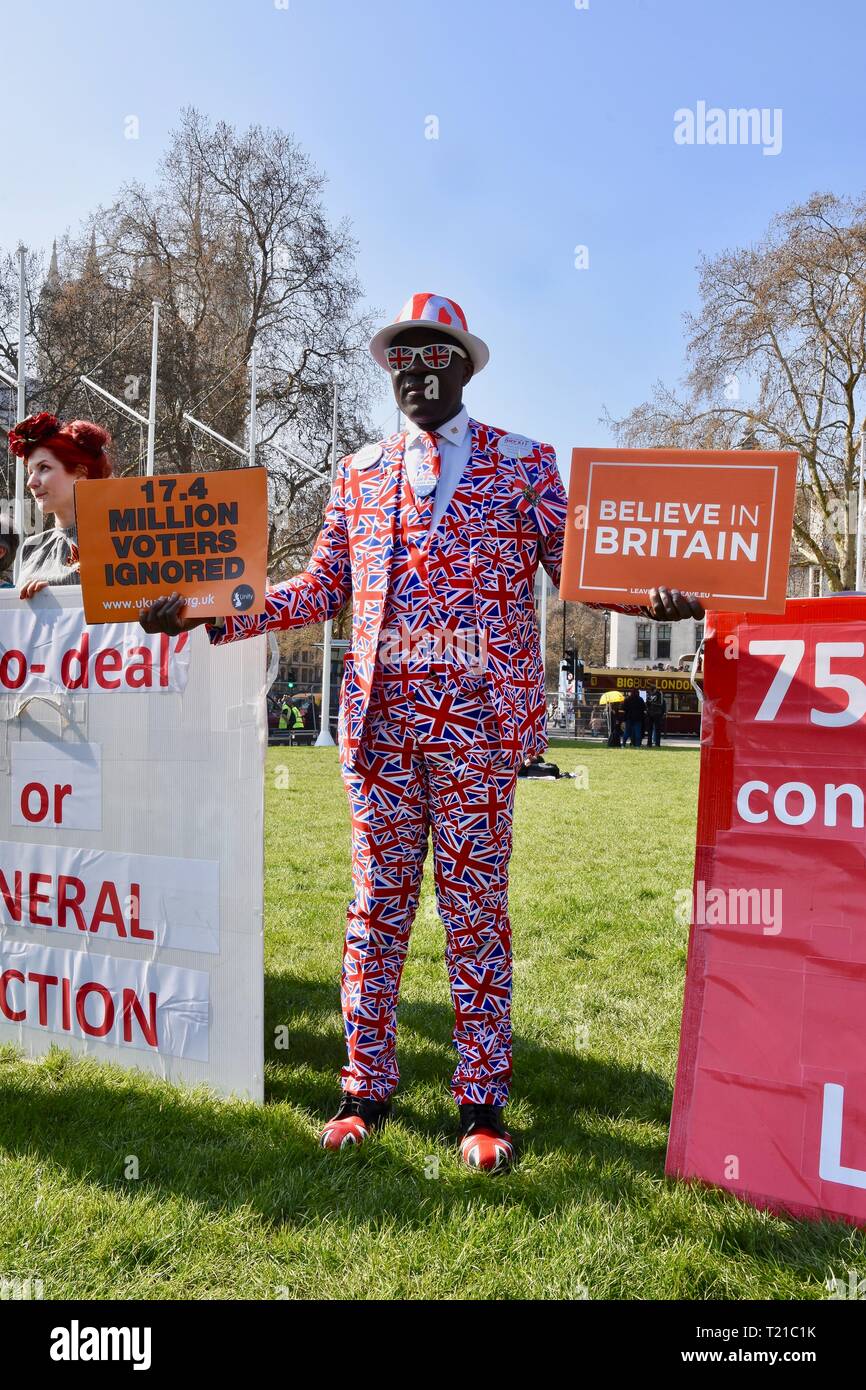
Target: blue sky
[{"x": 555, "y": 130}]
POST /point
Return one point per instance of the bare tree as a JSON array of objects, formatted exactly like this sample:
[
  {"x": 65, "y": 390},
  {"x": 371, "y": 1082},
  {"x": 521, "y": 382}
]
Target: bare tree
[
  {"x": 233, "y": 240},
  {"x": 584, "y": 631},
  {"x": 777, "y": 355}
]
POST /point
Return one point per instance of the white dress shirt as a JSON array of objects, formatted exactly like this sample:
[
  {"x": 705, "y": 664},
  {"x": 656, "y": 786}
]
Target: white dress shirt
[{"x": 454, "y": 441}]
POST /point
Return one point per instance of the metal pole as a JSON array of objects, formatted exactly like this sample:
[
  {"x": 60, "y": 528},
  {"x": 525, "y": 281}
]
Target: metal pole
[
  {"x": 325, "y": 738},
  {"x": 295, "y": 458},
  {"x": 206, "y": 429},
  {"x": 858, "y": 580},
  {"x": 151, "y": 414},
  {"x": 115, "y": 400},
  {"x": 253, "y": 407},
  {"x": 21, "y": 407}
]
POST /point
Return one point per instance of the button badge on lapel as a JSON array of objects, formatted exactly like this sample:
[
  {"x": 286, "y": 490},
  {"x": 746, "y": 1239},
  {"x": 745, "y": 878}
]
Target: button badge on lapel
[
  {"x": 370, "y": 453},
  {"x": 515, "y": 446},
  {"x": 518, "y": 447}
]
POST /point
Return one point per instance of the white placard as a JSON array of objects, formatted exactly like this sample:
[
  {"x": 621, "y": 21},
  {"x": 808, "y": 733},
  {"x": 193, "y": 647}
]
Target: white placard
[
  {"x": 51, "y": 650},
  {"x": 171, "y": 880},
  {"x": 162, "y": 1009},
  {"x": 118, "y": 898},
  {"x": 57, "y": 785}
]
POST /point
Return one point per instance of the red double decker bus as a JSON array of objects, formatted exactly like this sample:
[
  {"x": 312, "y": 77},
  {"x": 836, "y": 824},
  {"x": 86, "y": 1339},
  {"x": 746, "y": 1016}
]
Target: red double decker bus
[{"x": 683, "y": 716}]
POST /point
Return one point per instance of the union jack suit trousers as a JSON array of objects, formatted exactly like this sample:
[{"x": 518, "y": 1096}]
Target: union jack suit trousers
[{"x": 411, "y": 778}]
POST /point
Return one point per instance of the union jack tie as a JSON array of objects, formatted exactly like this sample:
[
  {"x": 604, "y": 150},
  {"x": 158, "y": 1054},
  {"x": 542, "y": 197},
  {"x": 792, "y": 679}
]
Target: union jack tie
[
  {"x": 427, "y": 474},
  {"x": 417, "y": 511}
]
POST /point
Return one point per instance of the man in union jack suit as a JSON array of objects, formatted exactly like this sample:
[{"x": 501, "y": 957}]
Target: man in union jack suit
[{"x": 435, "y": 533}]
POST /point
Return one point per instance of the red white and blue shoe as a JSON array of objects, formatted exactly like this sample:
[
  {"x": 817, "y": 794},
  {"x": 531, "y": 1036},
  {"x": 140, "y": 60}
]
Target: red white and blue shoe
[
  {"x": 355, "y": 1120},
  {"x": 484, "y": 1141}
]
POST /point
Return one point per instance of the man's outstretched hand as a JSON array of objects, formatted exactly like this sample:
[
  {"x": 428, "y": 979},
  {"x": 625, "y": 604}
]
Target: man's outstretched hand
[
  {"x": 161, "y": 616},
  {"x": 669, "y": 605}
]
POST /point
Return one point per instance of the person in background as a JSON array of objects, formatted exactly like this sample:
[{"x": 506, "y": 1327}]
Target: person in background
[
  {"x": 57, "y": 454},
  {"x": 655, "y": 714},
  {"x": 8, "y": 551},
  {"x": 622, "y": 726},
  {"x": 290, "y": 716},
  {"x": 613, "y": 715},
  {"x": 537, "y": 767},
  {"x": 633, "y": 713},
  {"x": 598, "y": 720}
]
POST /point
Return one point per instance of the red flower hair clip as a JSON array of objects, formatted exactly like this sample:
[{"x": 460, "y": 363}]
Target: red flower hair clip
[{"x": 25, "y": 436}]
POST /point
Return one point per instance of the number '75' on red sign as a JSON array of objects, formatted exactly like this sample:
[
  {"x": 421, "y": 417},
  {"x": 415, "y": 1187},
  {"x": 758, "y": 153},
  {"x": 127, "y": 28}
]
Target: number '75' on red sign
[{"x": 824, "y": 677}]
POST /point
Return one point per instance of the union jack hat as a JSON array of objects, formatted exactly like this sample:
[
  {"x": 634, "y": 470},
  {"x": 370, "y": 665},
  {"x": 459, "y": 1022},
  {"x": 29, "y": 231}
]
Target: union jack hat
[{"x": 421, "y": 311}]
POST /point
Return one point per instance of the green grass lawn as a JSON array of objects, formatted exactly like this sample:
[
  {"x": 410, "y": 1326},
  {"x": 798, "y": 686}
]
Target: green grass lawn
[{"x": 237, "y": 1201}]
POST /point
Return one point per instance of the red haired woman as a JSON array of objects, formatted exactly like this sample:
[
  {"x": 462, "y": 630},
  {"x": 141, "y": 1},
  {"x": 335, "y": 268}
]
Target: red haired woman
[{"x": 56, "y": 455}]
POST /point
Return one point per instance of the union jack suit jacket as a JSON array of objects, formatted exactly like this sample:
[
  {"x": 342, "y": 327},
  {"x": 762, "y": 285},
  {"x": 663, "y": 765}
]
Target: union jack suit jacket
[{"x": 518, "y": 519}]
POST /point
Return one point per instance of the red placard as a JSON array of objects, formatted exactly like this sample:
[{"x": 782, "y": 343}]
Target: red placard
[
  {"x": 711, "y": 522},
  {"x": 770, "y": 1098}
]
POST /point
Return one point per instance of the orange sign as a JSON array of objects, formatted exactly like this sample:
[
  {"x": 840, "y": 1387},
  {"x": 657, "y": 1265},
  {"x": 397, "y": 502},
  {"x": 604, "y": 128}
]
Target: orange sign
[
  {"x": 203, "y": 535},
  {"x": 709, "y": 522}
]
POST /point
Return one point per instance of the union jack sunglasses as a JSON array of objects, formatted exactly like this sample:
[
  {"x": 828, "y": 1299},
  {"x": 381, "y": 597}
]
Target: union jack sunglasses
[{"x": 437, "y": 356}]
